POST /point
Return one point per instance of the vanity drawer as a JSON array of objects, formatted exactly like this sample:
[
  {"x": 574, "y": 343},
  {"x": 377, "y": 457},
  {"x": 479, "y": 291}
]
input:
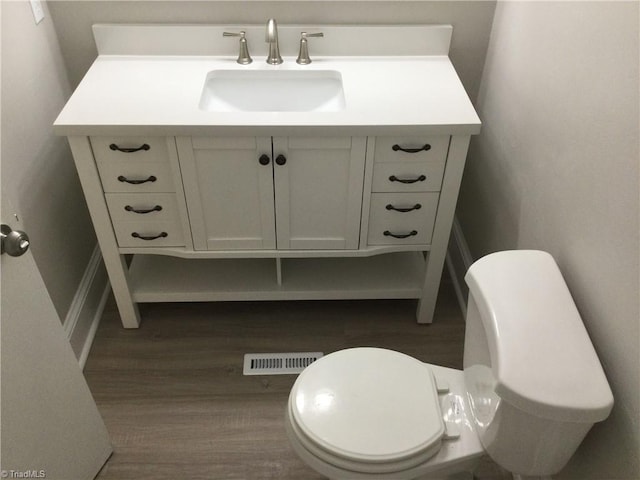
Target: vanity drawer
[
  {"x": 130, "y": 149},
  {"x": 407, "y": 177},
  {"x": 122, "y": 176},
  {"x": 400, "y": 215},
  {"x": 411, "y": 149},
  {"x": 149, "y": 234},
  {"x": 142, "y": 207}
]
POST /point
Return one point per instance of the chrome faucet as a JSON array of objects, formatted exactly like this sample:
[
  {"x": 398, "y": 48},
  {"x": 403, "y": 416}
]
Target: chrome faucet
[
  {"x": 243, "y": 56},
  {"x": 274, "y": 57}
]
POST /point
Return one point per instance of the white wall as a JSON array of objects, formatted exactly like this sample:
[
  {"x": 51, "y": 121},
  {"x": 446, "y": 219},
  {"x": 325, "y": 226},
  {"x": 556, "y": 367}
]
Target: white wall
[
  {"x": 42, "y": 178},
  {"x": 471, "y": 21},
  {"x": 556, "y": 167}
]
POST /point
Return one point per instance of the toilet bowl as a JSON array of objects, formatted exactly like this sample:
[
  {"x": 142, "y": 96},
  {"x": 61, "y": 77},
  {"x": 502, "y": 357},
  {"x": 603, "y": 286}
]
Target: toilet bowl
[
  {"x": 376, "y": 413},
  {"x": 531, "y": 389}
]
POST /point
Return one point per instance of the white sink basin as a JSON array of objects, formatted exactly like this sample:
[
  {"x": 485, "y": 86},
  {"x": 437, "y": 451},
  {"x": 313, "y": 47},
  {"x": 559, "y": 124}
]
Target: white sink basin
[{"x": 273, "y": 91}]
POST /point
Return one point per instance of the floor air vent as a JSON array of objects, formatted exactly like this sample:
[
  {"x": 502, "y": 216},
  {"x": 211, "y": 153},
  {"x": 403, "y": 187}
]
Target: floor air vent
[{"x": 278, "y": 363}]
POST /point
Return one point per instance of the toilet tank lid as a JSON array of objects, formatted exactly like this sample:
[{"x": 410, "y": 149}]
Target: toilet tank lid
[{"x": 543, "y": 360}]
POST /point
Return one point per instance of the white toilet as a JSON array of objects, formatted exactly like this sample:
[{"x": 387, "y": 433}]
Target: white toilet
[{"x": 531, "y": 388}]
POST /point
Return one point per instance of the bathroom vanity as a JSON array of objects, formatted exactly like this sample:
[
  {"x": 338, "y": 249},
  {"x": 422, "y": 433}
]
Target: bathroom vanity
[{"x": 209, "y": 180}]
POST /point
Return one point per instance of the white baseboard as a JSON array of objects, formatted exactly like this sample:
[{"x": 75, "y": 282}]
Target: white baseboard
[
  {"x": 459, "y": 260},
  {"x": 87, "y": 306}
]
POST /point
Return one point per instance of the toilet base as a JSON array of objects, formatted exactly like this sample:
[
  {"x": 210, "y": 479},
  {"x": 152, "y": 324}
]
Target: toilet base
[
  {"x": 431, "y": 469},
  {"x": 454, "y": 461}
]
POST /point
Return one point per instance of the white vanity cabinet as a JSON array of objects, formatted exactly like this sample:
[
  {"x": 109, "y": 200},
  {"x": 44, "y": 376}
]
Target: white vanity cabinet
[
  {"x": 194, "y": 200},
  {"x": 405, "y": 189},
  {"x": 140, "y": 179},
  {"x": 284, "y": 193},
  {"x": 210, "y": 218},
  {"x": 229, "y": 192}
]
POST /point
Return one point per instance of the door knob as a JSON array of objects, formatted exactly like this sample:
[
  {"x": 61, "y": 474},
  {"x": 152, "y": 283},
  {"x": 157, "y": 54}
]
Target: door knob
[
  {"x": 14, "y": 242},
  {"x": 281, "y": 159}
]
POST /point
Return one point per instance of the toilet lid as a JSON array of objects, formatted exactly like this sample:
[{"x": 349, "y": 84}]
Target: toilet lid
[{"x": 369, "y": 405}]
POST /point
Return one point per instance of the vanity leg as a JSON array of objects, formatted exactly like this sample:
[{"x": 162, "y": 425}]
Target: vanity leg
[
  {"x": 119, "y": 278},
  {"x": 442, "y": 230},
  {"x": 427, "y": 303},
  {"x": 114, "y": 262}
]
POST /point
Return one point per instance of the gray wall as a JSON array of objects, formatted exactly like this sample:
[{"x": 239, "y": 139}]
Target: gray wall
[
  {"x": 37, "y": 167},
  {"x": 556, "y": 168},
  {"x": 471, "y": 21}
]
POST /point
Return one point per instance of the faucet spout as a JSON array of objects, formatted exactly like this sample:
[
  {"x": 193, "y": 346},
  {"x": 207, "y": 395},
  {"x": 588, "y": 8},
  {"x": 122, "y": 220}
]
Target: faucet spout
[{"x": 271, "y": 38}]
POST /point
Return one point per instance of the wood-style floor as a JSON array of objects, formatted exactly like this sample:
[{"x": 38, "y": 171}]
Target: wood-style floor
[{"x": 177, "y": 405}]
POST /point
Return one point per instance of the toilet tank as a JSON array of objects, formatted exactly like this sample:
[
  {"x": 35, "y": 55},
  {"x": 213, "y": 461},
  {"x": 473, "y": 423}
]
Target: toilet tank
[{"x": 533, "y": 378}]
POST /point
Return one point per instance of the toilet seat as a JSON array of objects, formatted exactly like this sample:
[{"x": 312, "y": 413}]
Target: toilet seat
[{"x": 367, "y": 410}]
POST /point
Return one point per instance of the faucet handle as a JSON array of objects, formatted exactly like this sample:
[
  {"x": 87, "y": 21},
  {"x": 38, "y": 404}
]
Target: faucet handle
[
  {"x": 303, "y": 55},
  {"x": 243, "y": 56}
]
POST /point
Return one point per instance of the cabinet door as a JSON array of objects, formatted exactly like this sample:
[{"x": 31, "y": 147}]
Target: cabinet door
[
  {"x": 229, "y": 192},
  {"x": 318, "y": 191}
]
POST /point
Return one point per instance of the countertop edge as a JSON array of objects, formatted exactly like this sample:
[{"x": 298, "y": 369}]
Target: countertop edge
[{"x": 265, "y": 130}]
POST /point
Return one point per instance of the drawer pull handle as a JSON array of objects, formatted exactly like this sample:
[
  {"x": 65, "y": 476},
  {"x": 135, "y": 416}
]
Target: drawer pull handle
[
  {"x": 129, "y": 208},
  {"x": 421, "y": 178},
  {"x": 412, "y": 233},
  {"x": 143, "y": 237},
  {"x": 424, "y": 148},
  {"x": 137, "y": 182},
  {"x": 417, "y": 206},
  {"x": 115, "y": 147}
]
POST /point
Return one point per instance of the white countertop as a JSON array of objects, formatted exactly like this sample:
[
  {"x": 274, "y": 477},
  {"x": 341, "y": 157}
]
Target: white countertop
[{"x": 160, "y": 95}]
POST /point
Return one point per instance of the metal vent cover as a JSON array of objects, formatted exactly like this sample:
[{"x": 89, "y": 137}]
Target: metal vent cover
[{"x": 278, "y": 363}]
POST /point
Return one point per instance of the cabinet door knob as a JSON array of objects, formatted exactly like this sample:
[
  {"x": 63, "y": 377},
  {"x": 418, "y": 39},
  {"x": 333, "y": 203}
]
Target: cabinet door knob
[
  {"x": 264, "y": 159},
  {"x": 281, "y": 159}
]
